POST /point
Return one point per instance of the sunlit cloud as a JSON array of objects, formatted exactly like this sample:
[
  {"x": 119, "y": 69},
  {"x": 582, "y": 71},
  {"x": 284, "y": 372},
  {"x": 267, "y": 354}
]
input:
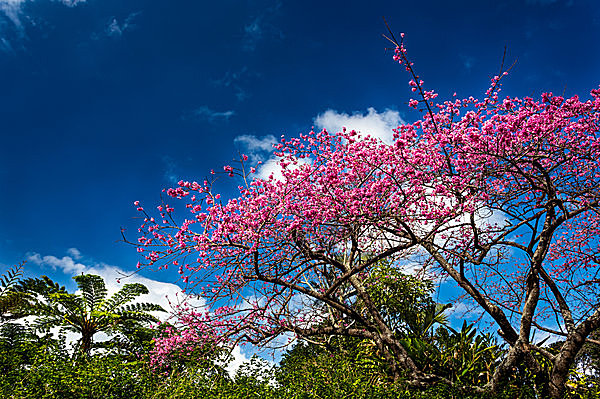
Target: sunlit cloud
[
  {"x": 376, "y": 124},
  {"x": 256, "y": 148},
  {"x": 373, "y": 123}
]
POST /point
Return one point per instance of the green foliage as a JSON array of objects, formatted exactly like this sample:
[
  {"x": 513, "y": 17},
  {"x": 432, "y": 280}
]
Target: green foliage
[
  {"x": 11, "y": 300},
  {"x": 53, "y": 374},
  {"x": 347, "y": 367},
  {"x": 42, "y": 367},
  {"x": 403, "y": 300},
  {"x": 131, "y": 341},
  {"x": 251, "y": 381},
  {"x": 466, "y": 356},
  {"x": 342, "y": 367},
  {"x": 19, "y": 347},
  {"x": 582, "y": 386}
]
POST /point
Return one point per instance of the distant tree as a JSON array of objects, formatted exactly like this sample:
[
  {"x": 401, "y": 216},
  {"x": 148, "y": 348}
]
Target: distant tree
[
  {"x": 588, "y": 357},
  {"x": 89, "y": 312}
]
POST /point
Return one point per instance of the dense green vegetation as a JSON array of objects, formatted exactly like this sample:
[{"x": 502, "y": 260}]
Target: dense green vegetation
[{"x": 36, "y": 364}]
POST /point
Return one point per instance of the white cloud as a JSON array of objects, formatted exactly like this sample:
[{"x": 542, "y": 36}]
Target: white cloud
[
  {"x": 461, "y": 310},
  {"x": 12, "y": 36},
  {"x": 238, "y": 358},
  {"x": 114, "y": 277},
  {"x": 253, "y": 143},
  {"x": 268, "y": 168},
  {"x": 66, "y": 264},
  {"x": 261, "y": 27},
  {"x": 375, "y": 124},
  {"x": 232, "y": 80},
  {"x": 170, "y": 169},
  {"x": 113, "y": 28},
  {"x": 72, "y": 3},
  {"x": 74, "y": 253},
  {"x": 252, "y": 34},
  {"x": 272, "y": 167},
  {"x": 116, "y": 29},
  {"x": 256, "y": 148},
  {"x": 5, "y": 45},
  {"x": 211, "y": 115},
  {"x": 14, "y": 8}
]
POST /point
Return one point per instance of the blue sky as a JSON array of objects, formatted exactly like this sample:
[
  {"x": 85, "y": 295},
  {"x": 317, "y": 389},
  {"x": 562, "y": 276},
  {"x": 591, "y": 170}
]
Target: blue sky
[{"x": 104, "y": 102}]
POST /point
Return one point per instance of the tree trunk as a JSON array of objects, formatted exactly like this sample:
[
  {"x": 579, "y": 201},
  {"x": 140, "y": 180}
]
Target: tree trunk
[
  {"x": 566, "y": 358},
  {"x": 86, "y": 342},
  {"x": 563, "y": 363}
]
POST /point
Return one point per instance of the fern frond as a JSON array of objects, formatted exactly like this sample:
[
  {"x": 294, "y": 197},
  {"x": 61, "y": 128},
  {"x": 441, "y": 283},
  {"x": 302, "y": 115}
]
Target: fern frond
[
  {"x": 13, "y": 305},
  {"x": 93, "y": 290},
  {"x": 140, "y": 307},
  {"x": 10, "y": 278},
  {"x": 124, "y": 295}
]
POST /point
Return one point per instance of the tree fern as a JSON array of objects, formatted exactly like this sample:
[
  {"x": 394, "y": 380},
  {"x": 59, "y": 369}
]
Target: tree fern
[{"x": 90, "y": 311}]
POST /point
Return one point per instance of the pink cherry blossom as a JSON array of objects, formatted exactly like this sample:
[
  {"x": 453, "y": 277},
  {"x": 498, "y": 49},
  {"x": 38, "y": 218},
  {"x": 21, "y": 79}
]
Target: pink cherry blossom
[{"x": 500, "y": 195}]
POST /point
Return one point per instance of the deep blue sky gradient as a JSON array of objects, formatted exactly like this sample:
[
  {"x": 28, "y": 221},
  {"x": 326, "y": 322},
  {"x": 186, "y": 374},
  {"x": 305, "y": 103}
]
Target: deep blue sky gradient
[{"x": 108, "y": 101}]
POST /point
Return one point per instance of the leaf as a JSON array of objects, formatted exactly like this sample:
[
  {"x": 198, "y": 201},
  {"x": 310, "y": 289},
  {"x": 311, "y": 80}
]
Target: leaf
[{"x": 93, "y": 290}]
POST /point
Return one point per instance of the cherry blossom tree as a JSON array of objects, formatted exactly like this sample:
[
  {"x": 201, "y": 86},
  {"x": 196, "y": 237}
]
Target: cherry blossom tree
[{"x": 499, "y": 195}]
